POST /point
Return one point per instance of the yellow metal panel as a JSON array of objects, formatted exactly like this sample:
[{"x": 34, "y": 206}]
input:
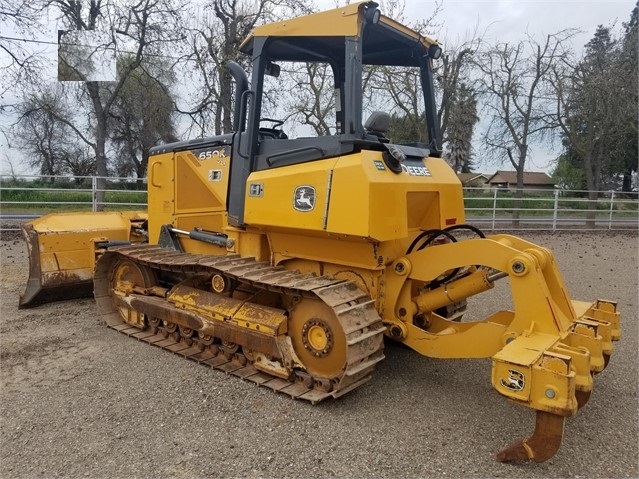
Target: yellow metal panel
[
  {"x": 369, "y": 202},
  {"x": 529, "y": 369},
  {"x": 526, "y": 350},
  {"x": 346, "y": 251},
  {"x": 365, "y": 201},
  {"x": 201, "y": 184},
  {"x": 86, "y": 222},
  {"x": 349, "y": 210},
  {"x": 250, "y": 243},
  {"x": 161, "y": 193},
  {"x": 66, "y": 240},
  {"x": 275, "y": 207},
  {"x": 474, "y": 340},
  {"x": 337, "y": 22},
  {"x": 189, "y": 192},
  {"x": 261, "y": 318}
]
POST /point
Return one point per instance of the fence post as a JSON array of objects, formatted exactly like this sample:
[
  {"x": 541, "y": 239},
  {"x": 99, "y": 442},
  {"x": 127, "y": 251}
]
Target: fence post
[
  {"x": 94, "y": 192},
  {"x": 494, "y": 207},
  {"x": 554, "y": 211},
  {"x": 612, "y": 203}
]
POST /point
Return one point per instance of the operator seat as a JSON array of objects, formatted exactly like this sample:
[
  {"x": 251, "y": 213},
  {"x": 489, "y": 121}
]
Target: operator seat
[
  {"x": 272, "y": 133},
  {"x": 377, "y": 125}
]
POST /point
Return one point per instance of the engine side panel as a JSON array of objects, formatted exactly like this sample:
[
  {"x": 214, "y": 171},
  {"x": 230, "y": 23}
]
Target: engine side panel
[{"x": 355, "y": 195}]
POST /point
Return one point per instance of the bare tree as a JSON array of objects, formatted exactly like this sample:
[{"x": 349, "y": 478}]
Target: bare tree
[
  {"x": 143, "y": 26},
  {"x": 314, "y": 101},
  {"x": 594, "y": 110},
  {"x": 513, "y": 85},
  {"x": 23, "y": 63},
  {"x": 79, "y": 161},
  {"x": 40, "y": 132},
  {"x": 454, "y": 69},
  {"x": 457, "y": 110},
  {"x": 141, "y": 116},
  {"x": 226, "y": 24}
]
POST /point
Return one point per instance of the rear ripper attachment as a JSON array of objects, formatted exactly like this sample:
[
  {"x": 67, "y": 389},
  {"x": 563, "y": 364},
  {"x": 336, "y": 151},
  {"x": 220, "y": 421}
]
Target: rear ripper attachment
[
  {"x": 554, "y": 375},
  {"x": 306, "y": 336},
  {"x": 544, "y": 352}
]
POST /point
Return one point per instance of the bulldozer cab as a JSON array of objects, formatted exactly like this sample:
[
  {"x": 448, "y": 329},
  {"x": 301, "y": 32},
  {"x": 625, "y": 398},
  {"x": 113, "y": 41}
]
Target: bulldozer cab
[{"x": 355, "y": 46}]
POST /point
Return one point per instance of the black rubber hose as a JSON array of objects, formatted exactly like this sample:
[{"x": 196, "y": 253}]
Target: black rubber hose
[
  {"x": 419, "y": 236},
  {"x": 474, "y": 229},
  {"x": 436, "y": 235}
]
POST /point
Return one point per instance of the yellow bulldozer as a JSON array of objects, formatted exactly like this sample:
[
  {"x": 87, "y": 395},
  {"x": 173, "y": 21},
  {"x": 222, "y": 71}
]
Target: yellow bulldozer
[{"x": 286, "y": 260}]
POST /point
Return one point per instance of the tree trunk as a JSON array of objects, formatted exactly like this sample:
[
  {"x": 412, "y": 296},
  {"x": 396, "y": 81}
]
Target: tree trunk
[
  {"x": 100, "y": 143},
  {"x": 592, "y": 182},
  {"x": 591, "y": 215},
  {"x": 627, "y": 181},
  {"x": 100, "y": 164},
  {"x": 519, "y": 193}
]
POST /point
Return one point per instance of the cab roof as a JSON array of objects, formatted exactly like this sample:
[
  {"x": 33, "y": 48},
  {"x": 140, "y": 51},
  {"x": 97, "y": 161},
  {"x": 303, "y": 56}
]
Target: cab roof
[{"x": 320, "y": 37}]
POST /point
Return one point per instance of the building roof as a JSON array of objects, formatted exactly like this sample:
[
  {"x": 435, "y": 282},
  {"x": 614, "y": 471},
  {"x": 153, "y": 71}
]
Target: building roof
[
  {"x": 530, "y": 178},
  {"x": 466, "y": 177}
]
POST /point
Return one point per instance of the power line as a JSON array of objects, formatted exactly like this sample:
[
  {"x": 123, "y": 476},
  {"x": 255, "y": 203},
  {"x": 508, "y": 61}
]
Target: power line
[{"x": 26, "y": 40}]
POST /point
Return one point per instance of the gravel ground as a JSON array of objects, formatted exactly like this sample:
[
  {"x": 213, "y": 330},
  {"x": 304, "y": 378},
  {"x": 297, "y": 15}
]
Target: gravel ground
[{"x": 79, "y": 399}]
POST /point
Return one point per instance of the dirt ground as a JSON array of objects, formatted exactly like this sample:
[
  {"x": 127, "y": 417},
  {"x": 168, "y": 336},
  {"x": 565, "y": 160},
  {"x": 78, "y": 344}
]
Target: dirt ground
[{"x": 80, "y": 400}]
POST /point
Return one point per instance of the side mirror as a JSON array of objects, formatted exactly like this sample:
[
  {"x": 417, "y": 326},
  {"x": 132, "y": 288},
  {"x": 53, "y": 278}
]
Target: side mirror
[{"x": 272, "y": 69}]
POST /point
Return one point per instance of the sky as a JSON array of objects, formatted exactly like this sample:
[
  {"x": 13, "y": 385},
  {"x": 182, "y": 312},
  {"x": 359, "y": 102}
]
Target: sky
[
  {"x": 510, "y": 20},
  {"x": 503, "y": 20}
]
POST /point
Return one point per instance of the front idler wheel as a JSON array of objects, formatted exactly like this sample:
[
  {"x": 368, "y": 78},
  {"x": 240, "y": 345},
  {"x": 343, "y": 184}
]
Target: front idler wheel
[
  {"x": 318, "y": 339},
  {"x": 127, "y": 275}
]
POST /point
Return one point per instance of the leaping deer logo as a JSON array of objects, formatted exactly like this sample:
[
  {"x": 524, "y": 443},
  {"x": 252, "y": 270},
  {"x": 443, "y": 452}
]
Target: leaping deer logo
[
  {"x": 304, "y": 198},
  {"x": 515, "y": 381}
]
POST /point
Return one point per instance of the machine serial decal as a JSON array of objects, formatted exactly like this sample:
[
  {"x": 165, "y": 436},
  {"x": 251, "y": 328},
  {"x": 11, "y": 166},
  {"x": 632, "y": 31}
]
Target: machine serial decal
[
  {"x": 416, "y": 170},
  {"x": 215, "y": 175},
  {"x": 304, "y": 198},
  {"x": 515, "y": 381}
]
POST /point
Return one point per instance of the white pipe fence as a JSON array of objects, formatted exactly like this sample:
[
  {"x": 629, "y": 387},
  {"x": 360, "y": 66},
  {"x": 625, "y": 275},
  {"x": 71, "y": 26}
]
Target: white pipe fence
[
  {"x": 551, "y": 209},
  {"x": 63, "y": 193},
  {"x": 24, "y": 197}
]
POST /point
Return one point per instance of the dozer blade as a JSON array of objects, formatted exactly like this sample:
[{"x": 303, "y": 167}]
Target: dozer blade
[
  {"x": 62, "y": 252},
  {"x": 542, "y": 445}
]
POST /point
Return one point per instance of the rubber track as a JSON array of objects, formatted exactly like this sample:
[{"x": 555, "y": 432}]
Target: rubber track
[{"x": 354, "y": 309}]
